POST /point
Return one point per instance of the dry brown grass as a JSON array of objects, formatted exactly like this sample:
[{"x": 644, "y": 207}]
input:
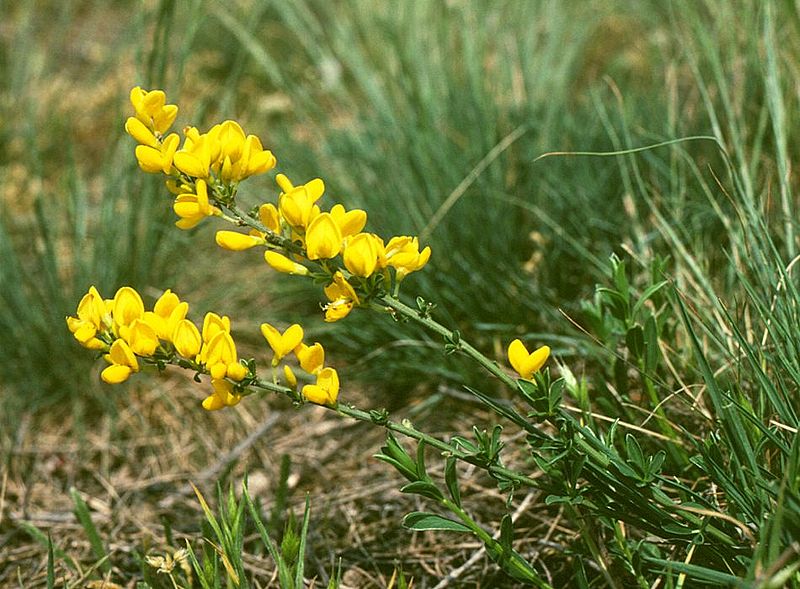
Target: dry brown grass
[{"x": 134, "y": 467}]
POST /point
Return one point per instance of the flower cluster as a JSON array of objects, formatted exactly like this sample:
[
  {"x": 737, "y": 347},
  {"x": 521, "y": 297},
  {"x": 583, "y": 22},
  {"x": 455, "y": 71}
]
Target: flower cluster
[
  {"x": 330, "y": 246},
  {"x": 311, "y": 359},
  {"x": 128, "y": 336},
  {"x": 300, "y": 238}
]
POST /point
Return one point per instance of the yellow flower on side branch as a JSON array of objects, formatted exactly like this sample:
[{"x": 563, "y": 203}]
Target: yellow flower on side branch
[
  {"x": 361, "y": 254},
  {"x": 342, "y": 298},
  {"x": 123, "y": 363},
  {"x": 526, "y": 364},
  {"x": 193, "y": 208},
  {"x": 282, "y": 343},
  {"x": 326, "y": 389},
  {"x": 237, "y": 242},
  {"x": 297, "y": 203},
  {"x": 323, "y": 238},
  {"x": 283, "y": 264}
]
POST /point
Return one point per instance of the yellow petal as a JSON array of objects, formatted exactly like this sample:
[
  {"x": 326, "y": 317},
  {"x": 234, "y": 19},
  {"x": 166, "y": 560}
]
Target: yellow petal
[
  {"x": 237, "y": 242},
  {"x": 139, "y": 131},
  {"x": 338, "y": 309},
  {"x": 326, "y": 389},
  {"x": 288, "y": 373},
  {"x": 311, "y": 358},
  {"x": 213, "y": 403},
  {"x": 283, "y": 264},
  {"x": 517, "y": 355},
  {"x": 116, "y": 374},
  {"x": 350, "y": 222},
  {"x": 524, "y": 363},
  {"x": 537, "y": 359},
  {"x": 323, "y": 238},
  {"x": 269, "y": 217},
  {"x": 127, "y": 306},
  {"x": 190, "y": 164},
  {"x": 150, "y": 159},
  {"x": 361, "y": 255},
  {"x": 236, "y": 371},
  {"x": 186, "y": 339},
  {"x": 121, "y": 353},
  {"x": 142, "y": 338}
]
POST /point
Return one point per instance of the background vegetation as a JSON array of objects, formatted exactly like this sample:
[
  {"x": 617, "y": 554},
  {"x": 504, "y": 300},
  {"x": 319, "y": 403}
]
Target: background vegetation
[{"x": 430, "y": 115}]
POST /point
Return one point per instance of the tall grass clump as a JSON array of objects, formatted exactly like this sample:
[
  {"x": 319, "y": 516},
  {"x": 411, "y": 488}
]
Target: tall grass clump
[
  {"x": 431, "y": 114},
  {"x": 69, "y": 219}
]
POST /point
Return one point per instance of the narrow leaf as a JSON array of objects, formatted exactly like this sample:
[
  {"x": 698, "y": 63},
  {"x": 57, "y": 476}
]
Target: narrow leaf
[
  {"x": 421, "y": 521},
  {"x": 451, "y": 479}
]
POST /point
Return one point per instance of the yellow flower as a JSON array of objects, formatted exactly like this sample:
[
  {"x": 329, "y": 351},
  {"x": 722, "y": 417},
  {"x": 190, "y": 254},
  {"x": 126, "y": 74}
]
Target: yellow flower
[
  {"x": 311, "y": 358},
  {"x": 283, "y": 264},
  {"x": 186, "y": 339},
  {"x": 141, "y": 132},
  {"x": 151, "y": 109},
  {"x": 198, "y": 152},
  {"x": 402, "y": 253},
  {"x": 326, "y": 389},
  {"x": 269, "y": 217},
  {"x": 282, "y": 343},
  {"x": 223, "y": 395},
  {"x": 126, "y": 307},
  {"x": 342, "y": 298},
  {"x": 291, "y": 379},
  {"x": 166, "y": 314},
  {"x": 349, "y": 222},
  {"x": 237, "y": 242},
  {"x": 92, "y": 318},
  {"x": 249, "y": 159},
  {"x": 85, "y": 333},
  {"x": 361, "y": 254},
  {"x": 142, "y": 338},
  {"x": 523, "y": 362},
  {"x": 123, "y": 363},
  {"x": 323, "y": 238},
  {"x": 213, "y": 324},
  {"x": 159, "y": 158},
  {"x": 221, "y": 359},
  {"x": 296, "y": 203},
  {"x": 193, "y": 208}
]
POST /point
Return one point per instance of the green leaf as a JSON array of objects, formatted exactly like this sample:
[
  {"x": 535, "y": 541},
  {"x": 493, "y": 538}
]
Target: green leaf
[
  {"x": 649, "y": 292},
  {"x": 422, "y": 521},
  {"x": 393, "y": 453},
  {"x": 85, "y": 519},
  {"x": 634, "y": 339},
  {"x": 651, "y": 353},
  {"x": 51, "y": 571},
  {"x": 506, "y": 532},
  {"x": 451, "y": 479},
  {"x": 298, "y": 577},
  {"x": 504, "y": 410},
  {"x": 424, "y": 488},
  {"x": 635, "y": 455}
]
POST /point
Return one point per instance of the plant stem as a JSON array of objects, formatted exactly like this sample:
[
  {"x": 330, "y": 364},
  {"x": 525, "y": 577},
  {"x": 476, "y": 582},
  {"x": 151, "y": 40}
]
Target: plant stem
[
  {"x": 514, "y": 561},
  {"x": 407, "y": 430},
  {"x": 415, "y": 315}
]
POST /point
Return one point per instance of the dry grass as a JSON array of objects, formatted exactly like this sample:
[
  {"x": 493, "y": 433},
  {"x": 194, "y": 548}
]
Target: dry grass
[{"x": 134, "y": 466}]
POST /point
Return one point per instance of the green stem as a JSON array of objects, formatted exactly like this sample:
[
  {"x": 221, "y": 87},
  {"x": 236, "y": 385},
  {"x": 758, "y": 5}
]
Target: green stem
[
  {"x": 415, "y": 315},
  {"x": 582, "y": 441},
  {"x": 521, "y": 568},
  {"x": 409, "y": 431}
]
